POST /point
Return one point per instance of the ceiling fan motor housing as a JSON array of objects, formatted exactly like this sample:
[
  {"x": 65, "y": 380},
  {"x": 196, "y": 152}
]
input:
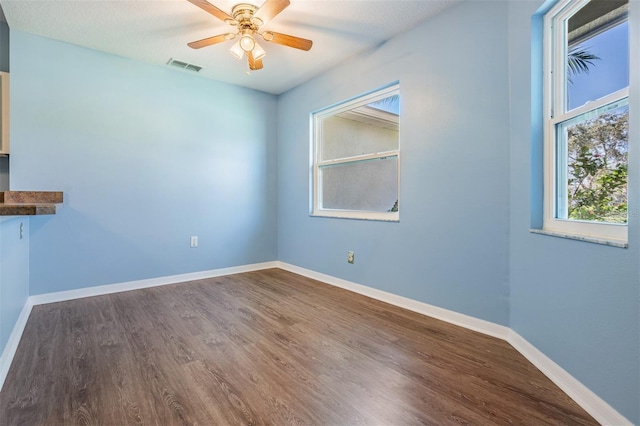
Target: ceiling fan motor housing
[{"x": 243, "y": 16}]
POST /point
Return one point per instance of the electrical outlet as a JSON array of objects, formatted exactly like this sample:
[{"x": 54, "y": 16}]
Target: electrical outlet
[
  {"x": 351, "y": 257},
  {"x": 194, "y": 242}
]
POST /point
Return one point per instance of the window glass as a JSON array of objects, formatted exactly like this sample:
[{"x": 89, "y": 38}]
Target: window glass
[
  {"x": 592, "y": 166},
  {"x": 369, "y": 185},
  {"x": 597, "y": 63},
  {"x": 358, "y": 131}
]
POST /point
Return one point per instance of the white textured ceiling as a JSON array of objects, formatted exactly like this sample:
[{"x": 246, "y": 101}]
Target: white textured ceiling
[{"x": 156, "y": 30}]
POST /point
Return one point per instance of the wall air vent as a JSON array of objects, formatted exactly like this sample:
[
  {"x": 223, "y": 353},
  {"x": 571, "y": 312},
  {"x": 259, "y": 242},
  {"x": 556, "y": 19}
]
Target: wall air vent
[{"x": 184, "y": 65}]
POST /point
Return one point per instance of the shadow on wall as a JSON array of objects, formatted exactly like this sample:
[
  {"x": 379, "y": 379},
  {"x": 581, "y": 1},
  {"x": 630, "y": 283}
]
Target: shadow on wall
[{"x": 4, "y": 173}]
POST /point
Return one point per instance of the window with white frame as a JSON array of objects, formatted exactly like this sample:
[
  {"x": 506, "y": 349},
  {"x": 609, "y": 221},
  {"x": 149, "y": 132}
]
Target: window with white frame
[
  {"x": 587, "y": 118},
  {"x": 356, "y": 154}
]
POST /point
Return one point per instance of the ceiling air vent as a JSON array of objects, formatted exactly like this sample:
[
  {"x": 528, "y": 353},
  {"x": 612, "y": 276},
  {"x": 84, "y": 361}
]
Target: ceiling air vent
[{"x": 184, "y": 65}]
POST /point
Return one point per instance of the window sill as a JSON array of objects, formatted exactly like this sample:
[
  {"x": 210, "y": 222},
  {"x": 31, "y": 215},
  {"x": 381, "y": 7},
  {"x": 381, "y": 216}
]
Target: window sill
[
  {"x": 594, "y": 240},
  {"x": 337, "y": 214}
]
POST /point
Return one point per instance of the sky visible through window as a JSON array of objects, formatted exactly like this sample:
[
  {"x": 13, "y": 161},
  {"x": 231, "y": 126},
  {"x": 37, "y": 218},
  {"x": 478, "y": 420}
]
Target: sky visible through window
[
  {"x": 608, "y": 74},
  {"x": 390, "y": 104}
]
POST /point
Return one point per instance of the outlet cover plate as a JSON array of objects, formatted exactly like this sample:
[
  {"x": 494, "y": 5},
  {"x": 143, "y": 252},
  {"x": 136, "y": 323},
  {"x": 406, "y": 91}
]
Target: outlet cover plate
[{"x": 351, "y": 257}]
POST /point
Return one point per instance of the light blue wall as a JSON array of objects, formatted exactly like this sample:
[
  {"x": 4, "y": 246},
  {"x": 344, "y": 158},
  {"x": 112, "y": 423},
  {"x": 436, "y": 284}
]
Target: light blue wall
[
  {"x": 577, "y": 302},
  {"x": 14, "y": 273},
  {"x": 146, "y": 156},
  {"x": 450, "y": 247}
]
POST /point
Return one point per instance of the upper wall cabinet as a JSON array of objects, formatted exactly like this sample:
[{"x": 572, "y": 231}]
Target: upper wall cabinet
[{"x": 4, "y": 113}]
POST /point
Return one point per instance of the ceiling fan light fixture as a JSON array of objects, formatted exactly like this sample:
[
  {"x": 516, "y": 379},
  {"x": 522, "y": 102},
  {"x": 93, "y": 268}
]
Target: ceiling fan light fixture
[
  {"x": 248, "y": 20},
  {"x": 258, "y": 51},
  {"x": 247, "y": 43},
  {"x": 236, "y": 50}
]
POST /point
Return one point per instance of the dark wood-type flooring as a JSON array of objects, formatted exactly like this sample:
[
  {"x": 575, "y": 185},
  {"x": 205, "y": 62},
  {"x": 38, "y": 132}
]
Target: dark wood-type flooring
[{"x": 267, "y": 347}]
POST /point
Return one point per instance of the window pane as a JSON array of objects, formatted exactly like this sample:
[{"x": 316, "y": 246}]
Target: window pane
[
  {"x": 362, "y": 185},
  {"x": 390, "y": 104},
  {"x": 598, "y": 52},
  {"x": 592, "y": 165},
  {"x": 362, "y": 130}
]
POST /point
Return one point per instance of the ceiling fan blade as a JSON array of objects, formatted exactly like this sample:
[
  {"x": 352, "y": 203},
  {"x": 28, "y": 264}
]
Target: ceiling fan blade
[
  {"x": 211, "y": 40},
  {"x": 208, "y": 7},
  {"x": 270, "y": 9},
  {"x": 254, "y": 64},
  {"x": 287, "y": 40}
]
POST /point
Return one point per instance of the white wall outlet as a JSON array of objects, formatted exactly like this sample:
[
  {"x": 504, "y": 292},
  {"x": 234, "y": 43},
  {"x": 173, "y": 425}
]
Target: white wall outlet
[
  {"x": 194, "y": 242},
  {"x": 351, "y": 257}
]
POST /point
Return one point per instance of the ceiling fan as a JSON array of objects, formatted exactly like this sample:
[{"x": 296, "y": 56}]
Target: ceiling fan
[{"x": 248, "y": 20}]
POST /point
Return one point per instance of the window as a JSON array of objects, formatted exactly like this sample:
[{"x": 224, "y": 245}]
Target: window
[
  {"x": 587, "y": 116},
  {"x": 356, "y": 153}
]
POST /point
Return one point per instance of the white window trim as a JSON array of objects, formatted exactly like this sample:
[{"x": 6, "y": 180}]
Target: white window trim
[
  {"x": 316, "y": 164},
  {"x": 554, "y": 114}
]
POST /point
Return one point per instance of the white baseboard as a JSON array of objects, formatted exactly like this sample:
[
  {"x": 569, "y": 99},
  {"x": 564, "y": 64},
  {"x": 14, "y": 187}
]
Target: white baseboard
[
  {"x": 466, "y": 321},
  {"x": 589, "y": 401},
  {"x": 80, "y": 293},
  {"x": 583, "y": 396},
  {"x": 13, "y": 341}
]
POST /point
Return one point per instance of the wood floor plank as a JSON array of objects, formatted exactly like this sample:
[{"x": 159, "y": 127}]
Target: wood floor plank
[
  {"x": 154, "y": 355},
  {"x": 266, "y": 347},
  {"x": 27, "y": 396}
]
